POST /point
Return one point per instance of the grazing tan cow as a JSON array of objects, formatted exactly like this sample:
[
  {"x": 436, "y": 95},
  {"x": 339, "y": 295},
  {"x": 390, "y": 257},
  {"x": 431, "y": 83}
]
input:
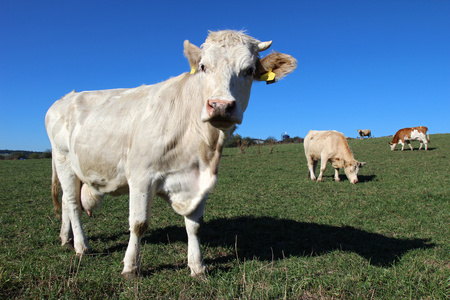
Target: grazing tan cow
[
  {"x": 164, "y": 139},
  {"x": 363, "y": 133},
  {"x": 405, "y": 135},
  {"x": 330, "y": 146}
]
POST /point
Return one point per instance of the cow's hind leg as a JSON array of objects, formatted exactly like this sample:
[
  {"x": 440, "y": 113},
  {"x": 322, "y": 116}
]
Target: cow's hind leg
[
  {"x": 66, "y": 233},
  {"x": 420, "y": 145},
  {"x": 410, "y": 146},
  {"x": 195, "y": 258},
  {"x": 140, "y": 204},
  {"x": 71, "y": 227}
]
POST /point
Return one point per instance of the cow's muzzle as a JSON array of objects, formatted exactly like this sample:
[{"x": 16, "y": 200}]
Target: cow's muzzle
[
  {"x": 221, "y": 113},
  {"x": 220, "y": 108}
]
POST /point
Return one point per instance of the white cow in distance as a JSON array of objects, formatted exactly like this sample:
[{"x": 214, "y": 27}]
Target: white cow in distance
[
  {"x": 364, "y": 132},
  {"x": 330, "y": 146},
  {"x": 164, "y": 139}
]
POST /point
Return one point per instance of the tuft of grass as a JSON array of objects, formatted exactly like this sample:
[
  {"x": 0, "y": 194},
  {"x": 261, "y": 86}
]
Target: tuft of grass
[{"x": 268, "y": 232}]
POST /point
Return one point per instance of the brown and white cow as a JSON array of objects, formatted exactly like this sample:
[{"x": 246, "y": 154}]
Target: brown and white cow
[
  {"x": 405, "y": 135},
  {"x": 363, "y": 133},
  {"x": 164, "y": 139},
  {"x": 330, "y": 146}
]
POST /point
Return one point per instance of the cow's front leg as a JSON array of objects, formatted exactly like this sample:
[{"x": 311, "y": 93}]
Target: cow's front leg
[
  {"x": 336, "y": 175},
  {"x": 311, "y": 168},
  {"x": 323, "y": 167},
  {"x": 410, "y": 147},
  {"x": 140, "y": 204},
  {"x": 195, "y": 258}
]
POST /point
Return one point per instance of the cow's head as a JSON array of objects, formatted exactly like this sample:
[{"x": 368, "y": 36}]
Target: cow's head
[
  {"x": 351, "y": 170},
  {"x": 226, "y": 65},
  {"x": 392, "y": 145}
]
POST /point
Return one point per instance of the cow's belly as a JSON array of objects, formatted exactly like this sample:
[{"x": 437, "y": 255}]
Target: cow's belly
[
  {"x": 103, "y": 176},
  {"x": 417, "y": 136},
  {"x": 316, "y": 156}
]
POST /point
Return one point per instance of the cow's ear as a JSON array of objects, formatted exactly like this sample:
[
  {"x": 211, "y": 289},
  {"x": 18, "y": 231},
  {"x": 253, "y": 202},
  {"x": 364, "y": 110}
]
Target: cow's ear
[
  {"x": 193, "y": 54},
  {"x": 275, "y": 66},
  {"x": 362, "y": 164}
]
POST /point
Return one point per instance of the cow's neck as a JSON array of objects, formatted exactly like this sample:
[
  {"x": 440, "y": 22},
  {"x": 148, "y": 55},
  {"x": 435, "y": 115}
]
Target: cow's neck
[
  {"x": 348, "y": 155},
  {"x": 211, "y": 147},
  {"x": 185, "y": 133}
]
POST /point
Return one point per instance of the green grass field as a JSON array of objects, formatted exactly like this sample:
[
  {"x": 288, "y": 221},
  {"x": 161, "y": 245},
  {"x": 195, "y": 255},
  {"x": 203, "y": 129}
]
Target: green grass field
[{"x": 269, "y": 232}]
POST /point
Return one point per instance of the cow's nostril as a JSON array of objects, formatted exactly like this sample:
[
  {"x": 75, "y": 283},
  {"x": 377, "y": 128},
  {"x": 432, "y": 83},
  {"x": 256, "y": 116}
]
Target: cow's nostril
[{"x": 221, "y": 108}]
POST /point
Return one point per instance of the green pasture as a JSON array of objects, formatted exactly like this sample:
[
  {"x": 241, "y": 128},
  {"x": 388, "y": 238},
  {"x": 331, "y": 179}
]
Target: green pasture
[{"x": 268, "y": 233}]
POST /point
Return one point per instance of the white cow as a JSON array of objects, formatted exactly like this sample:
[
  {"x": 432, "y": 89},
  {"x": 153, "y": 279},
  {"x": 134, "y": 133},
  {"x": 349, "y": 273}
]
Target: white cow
[
  {"x": 364, "y": 132},
  {"x": 330, "y": 146},
  {"x": 164, "y": 139}
]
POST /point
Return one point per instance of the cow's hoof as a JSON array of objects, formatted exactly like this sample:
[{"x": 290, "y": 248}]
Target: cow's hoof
[
  {"x": 84, "y": 251},
  {"x": 200, "y": 276},
  {"x": 199, "y": 272},
  {"x": 68, "y": 245},
  {"x": 337, "y": 180},
  {"x": 130, "y": 274}
]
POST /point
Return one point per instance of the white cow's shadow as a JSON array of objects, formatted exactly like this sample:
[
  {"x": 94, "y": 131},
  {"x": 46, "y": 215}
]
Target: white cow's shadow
[
  {"x": 268, "y": 239},
  {"x": 343, "y": 178}
]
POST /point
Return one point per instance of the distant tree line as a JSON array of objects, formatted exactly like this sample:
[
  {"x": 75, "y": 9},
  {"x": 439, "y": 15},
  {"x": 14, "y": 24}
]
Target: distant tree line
[
  {"x": 236, "y": 140},
  {"x": 18, "y": 154}
]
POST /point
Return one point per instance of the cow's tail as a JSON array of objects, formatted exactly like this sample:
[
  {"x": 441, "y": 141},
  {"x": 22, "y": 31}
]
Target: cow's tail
[
  {"x": 428, "y": 136},
  {"x": 55, "y": 188}
]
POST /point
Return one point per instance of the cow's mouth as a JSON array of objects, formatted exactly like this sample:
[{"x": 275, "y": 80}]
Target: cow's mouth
[
  {"x": 222, "y": 123},
  {"x": 221, "y": 113}
]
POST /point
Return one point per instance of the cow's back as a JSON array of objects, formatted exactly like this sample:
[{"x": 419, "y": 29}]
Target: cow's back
[
  {"x": 107, "y": 134},
  {"x": 422, "y": 129},
  {"x": 93, "y": 132},
  {"x": 401, "y": 135},
  {"x": 96, "y": 119},
  {"x": 332, "y": 143}
]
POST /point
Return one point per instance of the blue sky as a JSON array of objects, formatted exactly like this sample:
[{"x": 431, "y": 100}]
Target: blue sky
[{"x": 381, "y": 65}]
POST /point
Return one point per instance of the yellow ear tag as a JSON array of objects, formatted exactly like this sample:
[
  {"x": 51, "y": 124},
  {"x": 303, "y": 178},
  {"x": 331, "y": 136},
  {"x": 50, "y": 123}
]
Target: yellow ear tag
[
  {"x": 192, "y": 70},
  {"x": 269, "y": 76}
]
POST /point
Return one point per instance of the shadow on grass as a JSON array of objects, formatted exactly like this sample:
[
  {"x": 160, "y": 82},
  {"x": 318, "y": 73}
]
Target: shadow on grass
[
  {"x": 366, "y": 178},
  {"x": 272, "y": 239},
  {"x": 343, "y": 178},
  {"x": 415, "y": 149}
]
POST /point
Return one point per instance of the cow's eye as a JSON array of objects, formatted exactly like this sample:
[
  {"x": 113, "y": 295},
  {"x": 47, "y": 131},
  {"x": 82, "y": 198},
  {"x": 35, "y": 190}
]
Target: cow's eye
[
  {"x": 249, "y": 72},
  {"x": 202, "y": 67}
]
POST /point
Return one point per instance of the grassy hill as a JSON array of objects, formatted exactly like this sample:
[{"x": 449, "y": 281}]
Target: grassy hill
[{"x": 269, "y": 232}]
